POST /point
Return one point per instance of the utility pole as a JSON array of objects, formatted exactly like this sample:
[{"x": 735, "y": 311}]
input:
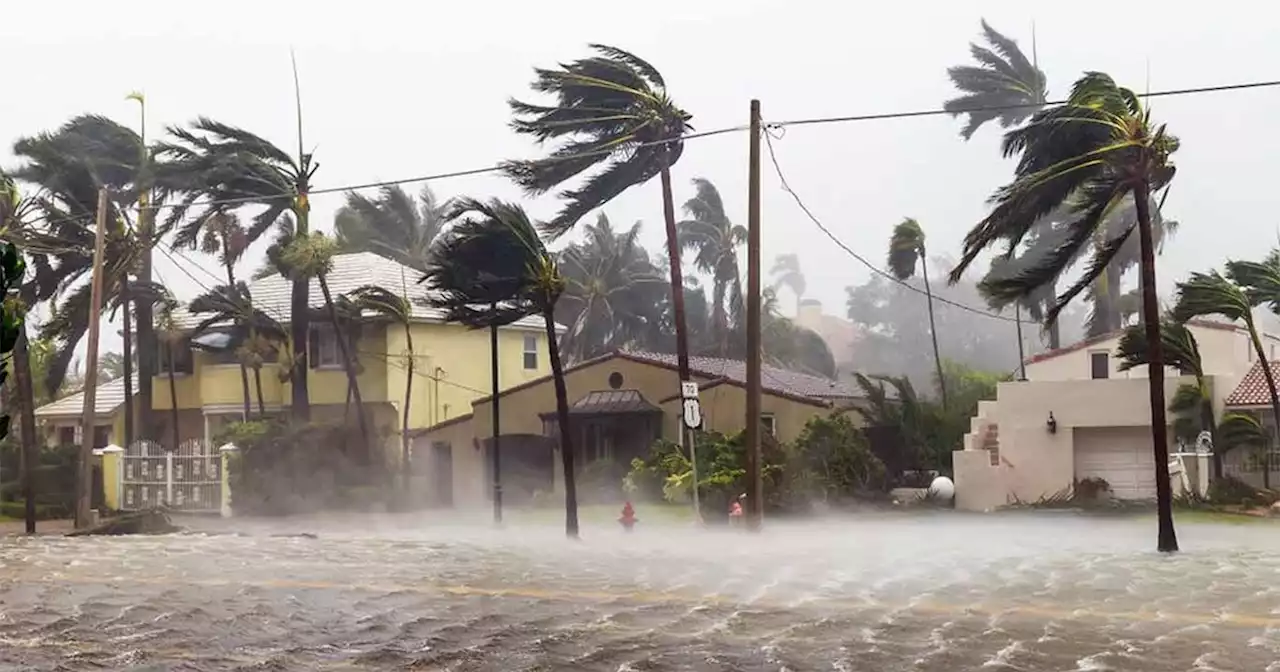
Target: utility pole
[
  {"x": 496, "y": 407},
  {"x": 84, "y": 484},
  {"x": 755, "y": 489}
]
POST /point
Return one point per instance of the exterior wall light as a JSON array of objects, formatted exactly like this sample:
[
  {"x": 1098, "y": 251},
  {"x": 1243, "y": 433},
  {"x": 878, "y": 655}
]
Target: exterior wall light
[{"x": 1052, "y": 424}]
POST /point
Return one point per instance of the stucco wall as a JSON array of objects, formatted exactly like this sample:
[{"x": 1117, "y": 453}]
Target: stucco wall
[
  {"x": 724, "y": 409},
  {"x": 468, "y": 473},
  {"x": 1222, "y": 352}
]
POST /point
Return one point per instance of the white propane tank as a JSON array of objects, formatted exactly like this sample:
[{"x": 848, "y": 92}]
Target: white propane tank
[{"x": 942, "y": 489}]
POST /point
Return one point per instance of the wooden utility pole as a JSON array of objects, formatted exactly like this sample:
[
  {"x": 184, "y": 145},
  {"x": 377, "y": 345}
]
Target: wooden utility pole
[
  {"x": 755, "y": 489},
  {"x": 84, "y": 484}
]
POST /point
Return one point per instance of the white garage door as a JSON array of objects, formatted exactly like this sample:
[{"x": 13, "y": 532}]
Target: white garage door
[{"x": 1119, "y": 455}]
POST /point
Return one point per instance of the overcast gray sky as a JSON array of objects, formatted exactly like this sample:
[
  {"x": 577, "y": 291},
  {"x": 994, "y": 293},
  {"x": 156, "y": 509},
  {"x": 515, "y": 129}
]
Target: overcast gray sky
[{"x": 397, "y": 89}]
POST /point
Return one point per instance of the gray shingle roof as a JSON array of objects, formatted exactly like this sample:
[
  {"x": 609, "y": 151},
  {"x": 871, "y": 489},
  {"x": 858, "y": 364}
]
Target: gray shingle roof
[
  {"x": 350, "y": 272},
  {"x": 772, "y": 378},
  {"x": 109, "y": 397}
]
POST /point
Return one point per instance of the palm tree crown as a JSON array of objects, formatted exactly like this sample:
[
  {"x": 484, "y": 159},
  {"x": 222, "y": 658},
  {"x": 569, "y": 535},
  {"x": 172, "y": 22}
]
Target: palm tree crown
[
  {"x": 391, "y": 225},
  {"x": 611, "y": 112},
  {"x": 715, "y": 240},
  {"x": 1004, "y": 86}
]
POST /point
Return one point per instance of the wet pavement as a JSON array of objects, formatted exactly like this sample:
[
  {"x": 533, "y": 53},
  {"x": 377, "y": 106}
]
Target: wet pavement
[{"x": 938, "y": 591}]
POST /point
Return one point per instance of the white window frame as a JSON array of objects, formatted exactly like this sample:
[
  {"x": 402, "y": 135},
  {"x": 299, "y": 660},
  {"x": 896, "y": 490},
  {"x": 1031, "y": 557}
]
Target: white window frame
[
  {"x": 530, "y": 349},
  {"x": 328, "y": 354},
  {"x": 769, "y": 422},
  {"x": 1094, "y": 353}
]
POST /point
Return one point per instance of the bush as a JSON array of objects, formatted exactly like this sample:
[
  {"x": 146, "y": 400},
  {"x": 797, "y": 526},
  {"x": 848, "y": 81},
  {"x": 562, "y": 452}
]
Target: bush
[
  {"x": 831, "y": 460},
  {"x": 1230, "y": 490},
  {"x": 1092, "y": 488}
]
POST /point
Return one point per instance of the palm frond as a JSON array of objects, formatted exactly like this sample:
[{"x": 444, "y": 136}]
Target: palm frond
[
  {"x": 906, "y": 248},
  {"x": 1179, "y": 348},
  {"x": 1205, "y": 294}
]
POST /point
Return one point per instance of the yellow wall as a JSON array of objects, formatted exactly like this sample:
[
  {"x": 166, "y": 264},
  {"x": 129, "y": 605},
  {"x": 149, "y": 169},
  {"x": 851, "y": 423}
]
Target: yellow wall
[
  {"x": 724, "y": 410},
  {"x": 220, "y": 384},
  {"x": 463, "y": 355}
]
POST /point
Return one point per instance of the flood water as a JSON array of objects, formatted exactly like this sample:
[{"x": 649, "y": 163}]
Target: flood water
[{"x": 936, "y": 591}]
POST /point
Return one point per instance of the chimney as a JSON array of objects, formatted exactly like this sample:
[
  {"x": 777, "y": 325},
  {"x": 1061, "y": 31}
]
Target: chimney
[{"x": 809, "y": 313}]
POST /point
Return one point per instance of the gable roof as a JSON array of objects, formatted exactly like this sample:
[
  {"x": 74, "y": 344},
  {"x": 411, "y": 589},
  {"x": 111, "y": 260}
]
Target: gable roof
[
  {"x": 350, "y": 272},
  {"x": 1100, "y": 338},
  {"x": 109, "y": 397},
  {"x": 773, "y": 380},
  {"x": 1253, "y": 390}
]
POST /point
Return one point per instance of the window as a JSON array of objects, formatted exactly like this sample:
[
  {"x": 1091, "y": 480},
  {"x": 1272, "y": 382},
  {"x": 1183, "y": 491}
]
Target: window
[
  {"x": 181, "y": 358},
  {"x": 769, "y": 423},
  {"x": 1100, "y": 365},
  {"x": 324, "y": 347},
  {"x": 530, "y": 352},
  {"x": 101, "y": 436}
]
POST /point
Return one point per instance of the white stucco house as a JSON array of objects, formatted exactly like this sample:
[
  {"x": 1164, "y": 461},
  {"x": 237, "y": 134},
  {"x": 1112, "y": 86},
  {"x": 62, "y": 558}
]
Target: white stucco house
[{"x": 1077, "y": 416}]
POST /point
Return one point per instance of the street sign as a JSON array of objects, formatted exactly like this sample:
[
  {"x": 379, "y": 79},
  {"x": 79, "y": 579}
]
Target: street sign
[
  {"x": 688, "y": 389},
  {"x": 692, "y": 414}
]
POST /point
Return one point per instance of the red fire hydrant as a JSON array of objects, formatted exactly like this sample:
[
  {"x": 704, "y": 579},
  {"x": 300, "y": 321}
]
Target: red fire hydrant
[{"x": 628, "y": 518}]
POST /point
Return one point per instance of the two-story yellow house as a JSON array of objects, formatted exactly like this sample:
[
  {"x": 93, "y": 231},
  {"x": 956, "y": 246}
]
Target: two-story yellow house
[{"x": 451, "y": 365}]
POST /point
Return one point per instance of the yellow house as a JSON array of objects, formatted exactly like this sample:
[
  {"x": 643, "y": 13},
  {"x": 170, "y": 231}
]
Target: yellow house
[
  {"x": 620, "y": 404},
  {"x": 452, "y": 365}
]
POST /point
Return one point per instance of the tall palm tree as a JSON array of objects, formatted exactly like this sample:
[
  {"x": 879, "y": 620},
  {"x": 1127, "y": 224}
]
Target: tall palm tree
[
  {"x": 1004, "y": 86},
  {"x": 219, "y": 168},
  {"x": 611, "y": 112},
  {"x": 715, "y": 241},
  {"x": 311, "y": 256},
  {"x": 229, "y": 309},
  {"x": 225, "y": 237},
  {"x": 786, "y": 273},
  {"x": 613, "y": 292},
  {"x": 396, "y": 309},
  {"x": 906, "y": 253},
  {"x": 173, "y": 337},
  {"x": 391, "y": 225},
  {"x": 1089, "y": 153},
  {"x": 1213, "y": 294},
  {"x": 1182, "y": 353},
  {"x": 493, "y": 269},
  {"x": 14, "y": 226}
]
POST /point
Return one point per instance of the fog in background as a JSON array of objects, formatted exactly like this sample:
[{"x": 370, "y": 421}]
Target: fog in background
[{"x": 397, "y": 90}]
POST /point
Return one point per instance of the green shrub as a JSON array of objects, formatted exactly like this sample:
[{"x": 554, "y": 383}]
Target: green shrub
[{"x": 1230, "y": 490}]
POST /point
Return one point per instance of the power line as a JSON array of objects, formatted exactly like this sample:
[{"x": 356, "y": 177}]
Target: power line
[
  {"x": 1004, "y": 108},
  {"x": 782, "y": 179}
]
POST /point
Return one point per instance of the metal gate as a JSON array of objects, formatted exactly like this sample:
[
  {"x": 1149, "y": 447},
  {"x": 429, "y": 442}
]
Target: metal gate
[{"x": 189, "y": 479}]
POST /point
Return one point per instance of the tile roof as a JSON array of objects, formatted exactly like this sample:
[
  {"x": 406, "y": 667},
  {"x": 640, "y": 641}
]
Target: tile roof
[
  {"x": 612, "y": 401},
  {"x": 350, "y": 272},
  {"x": 1253, "y": 390},
  {"x": 772, "y": 378},
  {"x": 109, "y": 397}
]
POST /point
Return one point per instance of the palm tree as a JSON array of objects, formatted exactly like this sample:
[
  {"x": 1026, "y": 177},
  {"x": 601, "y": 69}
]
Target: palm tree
[
  {"x": 906, "y": 251},
  {"x": 611, "y": 112},
  {"x": 311, "y": 256},
  {"x": 1213, "y": 294},
  {"x": 786, "y": 273},
  {"x": 493, "y": 269},
  {"x": 1182, "y": 353},
  {"x": 219, "y": 168},
  {"x": 1088, "y": 154},
  {"x": 613, "y": 292},
  {"x": 391, "y": 225},
  {"x": 225, "y": 237},
  {"x": 172, "y": 336},
  {"x": 229, "y": 309},
  {"x": 715, "y": 241},
  {"x": 396, "y": 309},
  {"x": 1004, "y": 86},
  {"x": 14, "y": 213}
]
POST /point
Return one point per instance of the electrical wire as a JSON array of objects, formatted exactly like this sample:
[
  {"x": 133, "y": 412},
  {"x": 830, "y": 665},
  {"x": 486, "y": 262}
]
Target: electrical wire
[{"x": 786, "y": 186}]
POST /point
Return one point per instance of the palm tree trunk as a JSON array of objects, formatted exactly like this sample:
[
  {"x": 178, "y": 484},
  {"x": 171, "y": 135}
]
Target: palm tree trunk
[
  {"x": 566, "y": 436},
  {"x": 257, "y": 382},
  {"x": 29, "y": 454},
  {"x": 496, "y": 420},
  {"x": 300, "y": 320},
  {"x": 348, "y": 364},
  {"x": 1275, "y": 396},
  {"x": 173, "y": 396},
  {"x": 677, "y": 277},
  {"x": 1167, "y": 538},
  {"x": 1022, "y": 356},
  {"x": 144, "y": 311},
  {"x": 127, "y": 337},
  {"x": 404, "y": 418},
  {"x": 718, "y": 320},
  {"x": 244, "y": 371},
  {"x": 933, "y": 329}
]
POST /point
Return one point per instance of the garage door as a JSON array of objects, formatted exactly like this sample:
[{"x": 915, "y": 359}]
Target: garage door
[{"x": 1119, "y": 455}]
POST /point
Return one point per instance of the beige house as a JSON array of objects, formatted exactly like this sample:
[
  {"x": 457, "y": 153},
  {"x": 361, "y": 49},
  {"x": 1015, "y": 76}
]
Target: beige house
[
  {"x": 839, "y": 334},
  {"x": 1078, "y": 416},
  {"x": 620, "y": 404}
]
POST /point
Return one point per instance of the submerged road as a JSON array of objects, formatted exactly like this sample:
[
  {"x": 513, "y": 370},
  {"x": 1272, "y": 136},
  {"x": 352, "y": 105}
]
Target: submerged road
[{"x": 939, "y": 592}]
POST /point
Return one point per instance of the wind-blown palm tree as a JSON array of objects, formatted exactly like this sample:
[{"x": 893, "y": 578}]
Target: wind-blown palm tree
[
  {"x": 229, "y": 309},
  {"x": 1004, "y": 86},
  {"x": 14, "y": 226},
  {"x": 714, "y": 241},
  {"x": 613, "y": 292},
  {"x": 396, "y": 309},
  {"x": 611, "y": 113},
  {"x": 219, "y": 168},
  {"x": 1182, "y": 353},
  {"x": 225, "y": 237},
  {"x": 493, "y": 269},
  {"x": 786, "y": 273},
  {"x": 1211, "y": 293},
  {"x": 391, "y": 225},
  {"x": 906, "y": 252},
  {"x": 172, "y": 336},
  {"x": 1089, "y": 153}
]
